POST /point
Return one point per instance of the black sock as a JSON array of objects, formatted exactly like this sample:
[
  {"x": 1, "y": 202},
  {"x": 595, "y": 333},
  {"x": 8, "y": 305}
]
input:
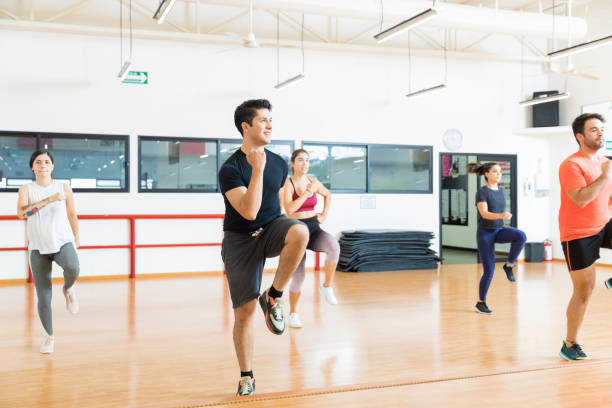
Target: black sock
[
  {"x": 273, "y": 293},
  {"x": 246, "y": 373}
]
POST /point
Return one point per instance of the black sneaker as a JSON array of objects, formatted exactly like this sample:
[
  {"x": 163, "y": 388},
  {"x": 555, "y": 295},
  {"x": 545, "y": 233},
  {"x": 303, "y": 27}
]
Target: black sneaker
[
  {"x": 609, "y": 284},
  {"x": 481, "y": 307},
  {"x": 273, "y": 311},
  {"x": 572, "y": 353},
  {"x": 509, "y": 273},
  {"x": 246, "y": 386}
]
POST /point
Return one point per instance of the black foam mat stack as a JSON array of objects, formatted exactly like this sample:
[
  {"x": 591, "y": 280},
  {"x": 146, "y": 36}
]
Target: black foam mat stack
[{"x": 386, "y": 250}]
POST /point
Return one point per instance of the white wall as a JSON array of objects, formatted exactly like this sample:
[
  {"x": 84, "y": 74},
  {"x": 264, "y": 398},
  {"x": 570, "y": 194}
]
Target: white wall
[{"x": 62, "y": 83}]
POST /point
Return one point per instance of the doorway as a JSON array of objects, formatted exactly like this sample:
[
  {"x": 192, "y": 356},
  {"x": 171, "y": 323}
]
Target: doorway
[{"x": 457, "y": 191}]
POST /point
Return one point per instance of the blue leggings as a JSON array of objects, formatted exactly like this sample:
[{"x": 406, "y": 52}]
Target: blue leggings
[{"x": 486, "y": 239}]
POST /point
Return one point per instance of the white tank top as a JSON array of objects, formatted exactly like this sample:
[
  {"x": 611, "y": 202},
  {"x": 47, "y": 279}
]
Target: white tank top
[{"x": 49, "y": 228}]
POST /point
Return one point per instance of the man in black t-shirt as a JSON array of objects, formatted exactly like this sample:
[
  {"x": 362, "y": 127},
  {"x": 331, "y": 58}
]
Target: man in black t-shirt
[{"x": 251, "y": 181}]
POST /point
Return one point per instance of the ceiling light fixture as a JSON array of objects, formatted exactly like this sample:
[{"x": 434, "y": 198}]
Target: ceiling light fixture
[
  {"x": 291, "y": 81},
  {"x": 544, "y": 99},
  {"x": 301, "y": 76},
  {"x": 427, "y": 91},
  {"x": 162, "y": 11},
  {"x": 432, "y": 89},
  {"x": 125, "y": 70},
  {"x": 406, "y": 25},
  {"x": 580, "y": 48},
  {"x": 127, "y": 65}
]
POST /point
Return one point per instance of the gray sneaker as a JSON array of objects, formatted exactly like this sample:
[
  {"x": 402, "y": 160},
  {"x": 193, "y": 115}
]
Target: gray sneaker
[
  {"x": 273, "y": 311},
  {"x": 246, "y": 386}
]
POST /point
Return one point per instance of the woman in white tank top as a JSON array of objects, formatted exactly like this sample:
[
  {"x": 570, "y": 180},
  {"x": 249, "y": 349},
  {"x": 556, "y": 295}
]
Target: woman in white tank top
[{"x": 53, "y": 236}]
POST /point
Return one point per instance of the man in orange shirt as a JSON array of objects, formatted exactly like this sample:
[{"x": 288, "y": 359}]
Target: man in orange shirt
[{"x": 584, "y": 220}]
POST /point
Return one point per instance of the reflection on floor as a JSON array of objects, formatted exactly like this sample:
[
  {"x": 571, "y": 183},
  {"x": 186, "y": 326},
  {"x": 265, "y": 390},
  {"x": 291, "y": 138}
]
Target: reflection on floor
[
  {"x": 402, "y": 338},
  {"x": 456, "y": 256}
]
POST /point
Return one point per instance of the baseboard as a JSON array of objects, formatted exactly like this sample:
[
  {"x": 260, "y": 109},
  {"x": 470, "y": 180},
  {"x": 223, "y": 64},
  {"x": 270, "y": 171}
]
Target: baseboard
[{"x": 165, "y": 275}]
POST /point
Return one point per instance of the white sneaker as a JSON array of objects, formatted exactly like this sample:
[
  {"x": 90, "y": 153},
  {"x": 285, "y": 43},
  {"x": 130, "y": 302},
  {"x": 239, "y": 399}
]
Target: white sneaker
[
  {"x": 294, "y": 321},
  {"x": 72, "y": 304},
  {"x": 328, "y": 293},
  {"x": 47, "y": 346}
]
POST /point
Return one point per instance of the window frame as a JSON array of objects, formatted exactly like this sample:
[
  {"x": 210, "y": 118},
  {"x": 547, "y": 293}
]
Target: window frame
[
  {"x": 341, "y": 144},
  {"x": 369, "y": 189},
  {"x": 58, "y": 135},
  {"x": 290, "y": 143},
  {"x": 218, "y": 142},
  {"x": 175, "y": 139},
  {"x": 413, "y": 147}
]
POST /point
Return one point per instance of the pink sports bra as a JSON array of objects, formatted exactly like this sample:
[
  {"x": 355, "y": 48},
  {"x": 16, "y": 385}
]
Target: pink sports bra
[{"x": 309, "y": 204}]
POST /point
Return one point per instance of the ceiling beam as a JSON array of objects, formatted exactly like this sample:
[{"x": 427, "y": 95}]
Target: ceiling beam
[
  {"x": 226, "y": 22},
  {"x": 150, "y": 12},
  {"x": 308, "y": 30},
  {"x": 361, "y": 34},
  {"x": 68, "y": 10},
  {"x": 295, "y": 26},
  {"x": 264, "y": 42},
  {"x": 9, "y": 14},
  {"x": 481, "y": 39}
]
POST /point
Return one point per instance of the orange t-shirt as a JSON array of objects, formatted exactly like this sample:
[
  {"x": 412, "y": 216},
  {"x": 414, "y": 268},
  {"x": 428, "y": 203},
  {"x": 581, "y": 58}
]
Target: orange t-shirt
[{"x": 577, "y": 171}]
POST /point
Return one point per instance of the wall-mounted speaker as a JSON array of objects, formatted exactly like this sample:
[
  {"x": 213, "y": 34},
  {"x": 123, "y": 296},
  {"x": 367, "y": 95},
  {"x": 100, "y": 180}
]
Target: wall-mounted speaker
[{"x": 546, "y": 114}]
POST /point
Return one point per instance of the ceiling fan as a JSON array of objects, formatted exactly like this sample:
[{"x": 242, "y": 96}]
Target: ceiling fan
[
  {"x": 572, "y": 70},
  {"x": 249, "y": 41}
]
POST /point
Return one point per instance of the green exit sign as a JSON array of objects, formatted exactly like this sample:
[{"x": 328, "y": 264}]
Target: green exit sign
[{"x": 136, "y": 77}]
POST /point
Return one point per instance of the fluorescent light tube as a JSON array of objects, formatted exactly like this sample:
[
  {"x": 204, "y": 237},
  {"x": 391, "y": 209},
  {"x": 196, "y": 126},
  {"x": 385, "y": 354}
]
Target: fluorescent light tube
[
  {"x": 125, "y": 69},
  {"x": 290, "y": 81},
  {"x": 544, "y": 99},
  {"x": 405, "y": 25},
  {"x": 163, "y": 10},
  {"x": 580, "y": 47},
  {"x": 426, "y": 91}
]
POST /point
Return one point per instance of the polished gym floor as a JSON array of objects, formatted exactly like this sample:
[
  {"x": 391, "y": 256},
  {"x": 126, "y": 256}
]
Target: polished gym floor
[{"x": 405, "y": 338}]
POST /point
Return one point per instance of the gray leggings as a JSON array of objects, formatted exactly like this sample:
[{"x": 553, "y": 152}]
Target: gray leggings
[
  {"x": 41, "y": 270},
  {"x": 320, "y": 241}
]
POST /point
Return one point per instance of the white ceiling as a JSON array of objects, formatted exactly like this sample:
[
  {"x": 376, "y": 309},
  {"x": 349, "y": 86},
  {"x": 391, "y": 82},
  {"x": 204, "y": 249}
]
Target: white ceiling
[{"x": 227, "y": 22}]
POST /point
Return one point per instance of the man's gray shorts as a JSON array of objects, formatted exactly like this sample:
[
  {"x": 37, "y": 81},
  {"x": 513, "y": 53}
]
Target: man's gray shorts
[{"x": 245, "y": 253}]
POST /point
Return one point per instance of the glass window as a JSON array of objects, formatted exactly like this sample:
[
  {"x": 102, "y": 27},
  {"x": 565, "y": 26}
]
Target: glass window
[
  {"x": 227, "y": 148},
  {"x": 283, "y": 148},
  {"x": 87, "y": 162},
  {"x": 15, "y": 152},
  {"x": 400, "y": 168},
  {"x": 339, "y": 167},
  {"x": 177, "y": 164}
]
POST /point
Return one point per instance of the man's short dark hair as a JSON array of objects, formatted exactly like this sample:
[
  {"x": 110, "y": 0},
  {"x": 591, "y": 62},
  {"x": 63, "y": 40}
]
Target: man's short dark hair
[
  {"x": 247, "y": 111},
  {"x": 578, "y": 123},
  {"x": 38, "y": 153}
]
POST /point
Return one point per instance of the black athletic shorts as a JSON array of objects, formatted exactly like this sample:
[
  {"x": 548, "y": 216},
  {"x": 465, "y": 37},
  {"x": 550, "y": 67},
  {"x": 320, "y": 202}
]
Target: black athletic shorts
[
  {"x": 312, "y": 224},
  {"x": 244, "y": 255},
  {"x": 583, "y": 252}
]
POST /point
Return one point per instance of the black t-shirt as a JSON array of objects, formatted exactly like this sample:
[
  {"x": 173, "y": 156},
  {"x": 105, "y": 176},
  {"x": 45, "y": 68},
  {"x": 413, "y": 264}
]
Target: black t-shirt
[
  {"x": 236, "y": 172},
  {"x": 496, "y": 203}
]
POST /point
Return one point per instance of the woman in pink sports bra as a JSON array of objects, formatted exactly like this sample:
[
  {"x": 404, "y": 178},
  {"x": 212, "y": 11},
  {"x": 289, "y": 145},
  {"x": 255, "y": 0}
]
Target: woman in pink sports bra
[{"x": 300, "y": 198}]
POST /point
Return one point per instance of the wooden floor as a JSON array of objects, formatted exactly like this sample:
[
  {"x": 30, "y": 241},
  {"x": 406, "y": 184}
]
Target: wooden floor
[{"x": 406, "y": 338}]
